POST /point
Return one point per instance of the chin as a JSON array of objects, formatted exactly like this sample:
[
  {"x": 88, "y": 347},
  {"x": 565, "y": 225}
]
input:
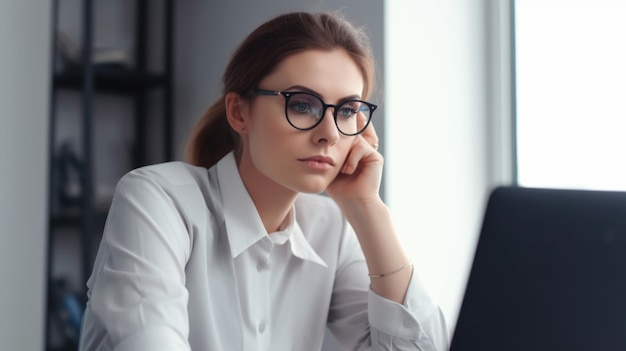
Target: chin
[
  {"x": 311, "y": 190},
  {"x": 311, "y": 187}
]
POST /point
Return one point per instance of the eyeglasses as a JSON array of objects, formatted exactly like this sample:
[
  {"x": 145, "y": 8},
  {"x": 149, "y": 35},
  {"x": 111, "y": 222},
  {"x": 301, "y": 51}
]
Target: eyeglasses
[{"x": 304, "y": 111}]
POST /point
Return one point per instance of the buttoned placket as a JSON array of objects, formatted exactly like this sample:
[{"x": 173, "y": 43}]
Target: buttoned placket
[
  {"x": 254, "y": 293},
  {"x": 252, "y": 270},
  {"x": 263, "y": 290}
]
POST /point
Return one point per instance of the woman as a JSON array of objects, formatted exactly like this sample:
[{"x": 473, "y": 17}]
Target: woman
[{"x": 236, "y": 250}]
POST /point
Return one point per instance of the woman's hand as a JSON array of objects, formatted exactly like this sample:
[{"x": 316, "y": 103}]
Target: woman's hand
[{"x": 360, "y": 177}]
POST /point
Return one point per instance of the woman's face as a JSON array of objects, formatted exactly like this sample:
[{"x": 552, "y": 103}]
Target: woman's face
[{"x": 274, "y": 152}]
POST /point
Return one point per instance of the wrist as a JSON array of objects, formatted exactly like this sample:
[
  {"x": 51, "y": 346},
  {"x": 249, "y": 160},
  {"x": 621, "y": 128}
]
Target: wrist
[{"x": 357, "y": 209}]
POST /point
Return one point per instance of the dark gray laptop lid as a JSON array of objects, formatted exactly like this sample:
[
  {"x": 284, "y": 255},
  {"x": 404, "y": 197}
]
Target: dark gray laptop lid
[{"x": 549, "y": 273}]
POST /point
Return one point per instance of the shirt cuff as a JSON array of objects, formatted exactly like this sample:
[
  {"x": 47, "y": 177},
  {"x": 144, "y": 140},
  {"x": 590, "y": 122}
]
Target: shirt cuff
[
  {"x": 404, "y": 321},
  {"x": 154, "y": 338}
]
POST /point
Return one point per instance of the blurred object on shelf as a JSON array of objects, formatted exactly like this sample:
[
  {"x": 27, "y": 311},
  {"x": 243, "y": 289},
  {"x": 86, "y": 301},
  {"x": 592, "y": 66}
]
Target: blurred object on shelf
[
  {"x": 67, "y": 311},
  {"x": 69, "y": 172},
  {"x": 70, "y": 55}
]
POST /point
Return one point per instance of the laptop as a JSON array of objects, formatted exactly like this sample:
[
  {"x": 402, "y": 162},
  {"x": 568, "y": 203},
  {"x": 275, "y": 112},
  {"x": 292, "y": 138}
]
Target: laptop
[{"x": 549, "y": 273}]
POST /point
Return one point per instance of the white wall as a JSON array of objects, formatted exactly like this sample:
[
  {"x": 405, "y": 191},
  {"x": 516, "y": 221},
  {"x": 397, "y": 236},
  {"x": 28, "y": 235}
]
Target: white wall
[
  {"x": 447, "y": 136},
  {"x": 24, "y": 96}
]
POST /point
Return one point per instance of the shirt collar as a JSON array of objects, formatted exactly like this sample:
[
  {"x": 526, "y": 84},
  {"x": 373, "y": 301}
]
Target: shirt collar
[
  {"x": 300, "y": 246},
  {"x": 243, "y": 224}
]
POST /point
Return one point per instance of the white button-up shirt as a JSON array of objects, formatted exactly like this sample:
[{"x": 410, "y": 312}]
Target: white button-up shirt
[{"x": 185, "y": 263}]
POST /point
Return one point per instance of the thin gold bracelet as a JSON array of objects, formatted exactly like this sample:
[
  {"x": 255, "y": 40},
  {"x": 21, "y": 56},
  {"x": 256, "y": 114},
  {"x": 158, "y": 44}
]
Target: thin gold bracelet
[{"x": 392, "y": 272}]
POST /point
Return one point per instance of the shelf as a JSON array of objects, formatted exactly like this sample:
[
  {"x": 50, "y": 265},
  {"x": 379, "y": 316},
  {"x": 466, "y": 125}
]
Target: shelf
[
  {"x": 76, "y": 227},
  {"x": 113, "y": 81}
]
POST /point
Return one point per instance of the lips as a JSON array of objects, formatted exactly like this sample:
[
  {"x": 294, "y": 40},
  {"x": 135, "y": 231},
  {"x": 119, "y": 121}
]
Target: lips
[{"x": 319, "y": 159}]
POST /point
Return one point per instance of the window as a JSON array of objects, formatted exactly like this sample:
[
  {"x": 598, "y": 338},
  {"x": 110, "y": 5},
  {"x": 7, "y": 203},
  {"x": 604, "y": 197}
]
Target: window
[{"x": 570, "y": 62}]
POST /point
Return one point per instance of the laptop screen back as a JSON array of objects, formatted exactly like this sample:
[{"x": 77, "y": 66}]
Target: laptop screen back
[{"x": 549, "y": 273}]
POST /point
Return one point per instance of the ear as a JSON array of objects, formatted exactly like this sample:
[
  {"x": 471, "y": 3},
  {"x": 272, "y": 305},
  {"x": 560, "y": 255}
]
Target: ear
[{"x": 236, "y": 112}]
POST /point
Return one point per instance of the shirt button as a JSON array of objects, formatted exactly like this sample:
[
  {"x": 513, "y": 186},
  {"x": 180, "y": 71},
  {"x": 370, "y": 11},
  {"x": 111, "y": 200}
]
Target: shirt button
[
  {"x": 408, "y": 324},
  {"x": 261, "y": 266},
  {"x": 262, "y": 327}
]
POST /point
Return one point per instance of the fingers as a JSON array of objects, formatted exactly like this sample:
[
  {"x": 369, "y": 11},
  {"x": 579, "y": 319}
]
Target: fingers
[
  {"x": 361, "y": 152},
  {"x": 365, "y": 145},
  {"x": 370, "y": 136}
]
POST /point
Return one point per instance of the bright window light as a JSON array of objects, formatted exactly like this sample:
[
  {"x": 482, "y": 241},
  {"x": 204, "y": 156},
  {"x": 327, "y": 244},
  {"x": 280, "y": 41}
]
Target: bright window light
[{"x": 571, "y": 93}]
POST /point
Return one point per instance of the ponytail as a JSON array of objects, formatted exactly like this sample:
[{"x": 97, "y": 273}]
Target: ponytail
[{"x": 212, "y": 137}]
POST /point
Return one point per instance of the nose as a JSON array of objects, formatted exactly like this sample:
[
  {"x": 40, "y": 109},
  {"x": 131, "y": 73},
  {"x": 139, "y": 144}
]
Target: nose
[{"x": 326, "y": 131}]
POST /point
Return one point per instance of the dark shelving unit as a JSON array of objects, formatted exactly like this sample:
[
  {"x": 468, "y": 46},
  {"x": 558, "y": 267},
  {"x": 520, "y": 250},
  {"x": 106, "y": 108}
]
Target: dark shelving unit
[
  {"x": 86, "y": 220},
  {"x": 75, "y": 220},
  {"x": 111, "y": 82}
]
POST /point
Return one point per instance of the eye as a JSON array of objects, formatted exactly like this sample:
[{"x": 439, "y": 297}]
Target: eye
[
  {"x": 349, "y": 110},
  {"x": 300, "y": 106},
  {"x": 346, "y": 112},
  {"x": 304, "y": 104}
]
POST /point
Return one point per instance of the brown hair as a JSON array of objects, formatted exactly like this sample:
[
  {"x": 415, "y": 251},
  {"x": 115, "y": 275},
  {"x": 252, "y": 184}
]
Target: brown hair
[{"x": 258, "y": 55}]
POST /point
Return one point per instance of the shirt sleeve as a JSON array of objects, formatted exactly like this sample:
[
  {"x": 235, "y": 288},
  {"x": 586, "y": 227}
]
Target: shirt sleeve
[
  {"x": 138, "y": 299},
  {"x": 360, "y": 319}
]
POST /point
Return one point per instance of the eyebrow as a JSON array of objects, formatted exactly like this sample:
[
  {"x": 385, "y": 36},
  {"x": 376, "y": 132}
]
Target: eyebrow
[{"x": 308, "y": 90}]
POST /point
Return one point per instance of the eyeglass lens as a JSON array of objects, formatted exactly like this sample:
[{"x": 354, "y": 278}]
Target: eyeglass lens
[{"x": 305, "y": 110}]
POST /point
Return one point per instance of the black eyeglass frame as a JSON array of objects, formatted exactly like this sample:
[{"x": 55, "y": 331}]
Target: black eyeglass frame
[{"x": 288, "y": 94}]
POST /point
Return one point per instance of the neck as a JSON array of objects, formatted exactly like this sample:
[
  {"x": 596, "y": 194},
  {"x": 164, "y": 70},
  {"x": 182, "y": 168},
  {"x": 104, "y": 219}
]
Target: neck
[{"x": 272, "y": 201}]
